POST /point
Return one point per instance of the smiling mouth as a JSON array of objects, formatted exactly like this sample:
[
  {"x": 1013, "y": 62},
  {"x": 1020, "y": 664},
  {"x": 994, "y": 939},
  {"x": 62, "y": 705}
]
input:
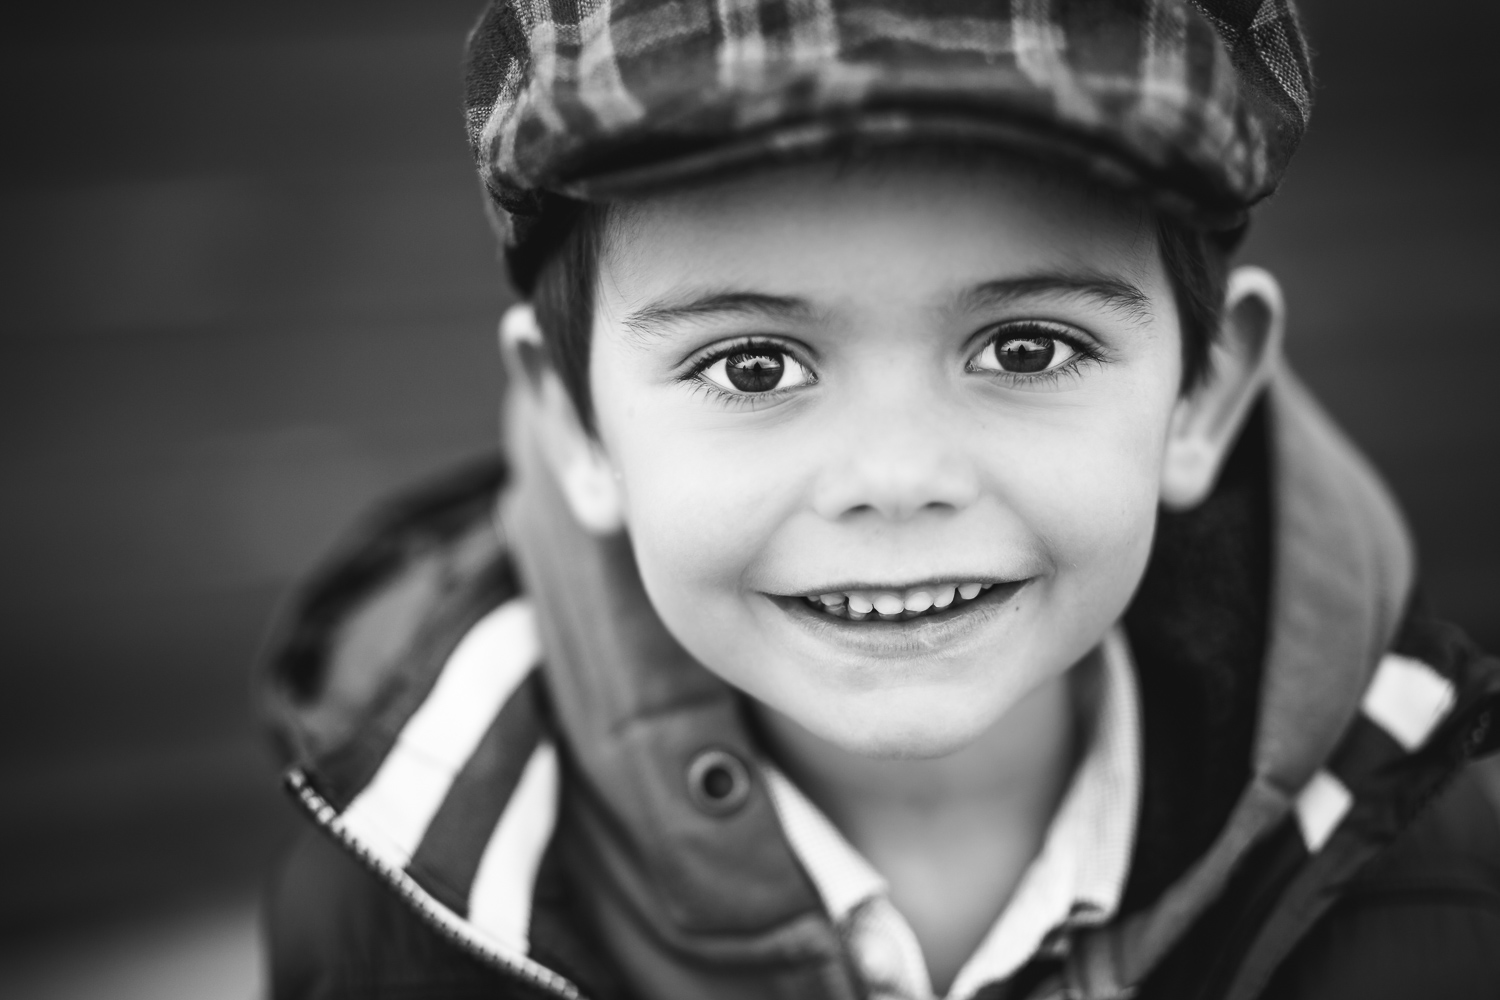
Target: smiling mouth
[{"x": 924, "y": 601}]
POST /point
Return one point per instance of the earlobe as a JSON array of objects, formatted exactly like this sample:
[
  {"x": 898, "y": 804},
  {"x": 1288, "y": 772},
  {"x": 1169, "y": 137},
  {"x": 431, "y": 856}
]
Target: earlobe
[
  {"x": 1207, "y": 422},
  {"x": 593, "y": 492},
  {"x": 575, "y": 458}
]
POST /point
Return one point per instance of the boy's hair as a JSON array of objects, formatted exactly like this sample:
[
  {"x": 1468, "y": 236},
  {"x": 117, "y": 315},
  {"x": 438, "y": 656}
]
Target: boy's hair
[{"x": 1196, "y": 262}]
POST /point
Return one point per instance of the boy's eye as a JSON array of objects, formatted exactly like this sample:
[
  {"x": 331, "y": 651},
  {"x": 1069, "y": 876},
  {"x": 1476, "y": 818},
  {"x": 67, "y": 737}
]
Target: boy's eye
[
  {"x": 1024, "y": 353},
  {"x": 758, "y": 369}
]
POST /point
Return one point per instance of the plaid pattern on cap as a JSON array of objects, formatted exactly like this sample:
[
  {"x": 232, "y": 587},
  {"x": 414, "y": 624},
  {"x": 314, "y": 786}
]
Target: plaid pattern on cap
[{"x": 1199, "y": 103}]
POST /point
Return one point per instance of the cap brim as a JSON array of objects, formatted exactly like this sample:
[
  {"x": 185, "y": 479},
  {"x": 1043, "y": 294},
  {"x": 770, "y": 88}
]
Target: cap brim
[{"x": 638, "y": 173}]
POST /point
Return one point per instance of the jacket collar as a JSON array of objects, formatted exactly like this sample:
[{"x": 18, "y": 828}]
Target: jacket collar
[
  {"x": 719, "y": 886},
  {"x": 1342, "y": 565}
]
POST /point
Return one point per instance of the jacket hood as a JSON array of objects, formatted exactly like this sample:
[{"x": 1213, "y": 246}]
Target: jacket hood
[{"x": 453, "y": 707}]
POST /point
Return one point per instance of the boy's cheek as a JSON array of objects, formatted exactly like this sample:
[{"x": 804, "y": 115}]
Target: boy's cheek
[
  {"x": 1095, "y": 518},
  {"x": 1101, "y": 514},
  {"x": 700, "y": 526},
  {"x": 1092, "y": 487},
  {"x": 684, "y": 489}
]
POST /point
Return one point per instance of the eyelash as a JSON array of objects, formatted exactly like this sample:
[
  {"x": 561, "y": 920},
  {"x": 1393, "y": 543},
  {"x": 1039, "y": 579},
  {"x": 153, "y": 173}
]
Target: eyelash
[
  {"x": 1086, "y": 352},
  {"x": 699, "y": 384}
]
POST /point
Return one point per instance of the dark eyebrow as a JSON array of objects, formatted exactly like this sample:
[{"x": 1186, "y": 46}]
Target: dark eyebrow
[
  {"x": 1114, "y": 293},
  {"x": 649, "y": 320}
]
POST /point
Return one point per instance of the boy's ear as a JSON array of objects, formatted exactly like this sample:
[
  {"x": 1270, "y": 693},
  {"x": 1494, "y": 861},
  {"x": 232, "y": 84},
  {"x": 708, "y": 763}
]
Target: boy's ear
[
  {"x": 575, "y": 457},
  {"x": 1207, "y": 421}
]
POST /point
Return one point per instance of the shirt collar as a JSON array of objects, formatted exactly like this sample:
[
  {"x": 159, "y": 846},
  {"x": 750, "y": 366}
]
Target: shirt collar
[{"x": 1077, "y": 877}]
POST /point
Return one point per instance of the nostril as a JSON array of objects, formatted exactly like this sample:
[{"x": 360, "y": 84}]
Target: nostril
[
  {"x": 718, "y": 782},
  {"x": 877, "y": 485},
  {"x": 897, "y": 509}
]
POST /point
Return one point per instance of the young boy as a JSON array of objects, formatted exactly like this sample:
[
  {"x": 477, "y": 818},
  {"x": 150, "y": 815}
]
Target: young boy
[{"x": 916, "y": 574}]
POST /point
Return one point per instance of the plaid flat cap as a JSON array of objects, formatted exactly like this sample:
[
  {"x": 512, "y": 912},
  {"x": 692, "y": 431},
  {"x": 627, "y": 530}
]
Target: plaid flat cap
[{"x": 1197, "y": 104}]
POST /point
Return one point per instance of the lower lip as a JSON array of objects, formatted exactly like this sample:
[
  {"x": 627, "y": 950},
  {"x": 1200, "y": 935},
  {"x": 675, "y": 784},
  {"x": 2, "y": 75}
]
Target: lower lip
[{"x": 876, "y": 635}]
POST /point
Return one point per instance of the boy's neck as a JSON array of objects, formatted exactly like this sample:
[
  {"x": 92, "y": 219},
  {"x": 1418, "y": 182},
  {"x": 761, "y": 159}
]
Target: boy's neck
[{"x": 952, "y": 835}]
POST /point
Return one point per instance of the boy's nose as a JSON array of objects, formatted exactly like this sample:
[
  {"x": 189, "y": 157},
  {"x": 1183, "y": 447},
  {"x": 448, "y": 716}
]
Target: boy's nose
[{"x": 896, "y": 475}]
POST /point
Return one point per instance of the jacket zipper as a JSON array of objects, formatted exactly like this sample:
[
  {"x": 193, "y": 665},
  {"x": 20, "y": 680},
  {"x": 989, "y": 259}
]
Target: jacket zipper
[{"x": 448, "y": 925}]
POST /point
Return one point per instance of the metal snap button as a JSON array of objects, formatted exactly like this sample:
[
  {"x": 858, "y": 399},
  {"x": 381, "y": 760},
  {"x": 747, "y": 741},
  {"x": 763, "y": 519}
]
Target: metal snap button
[{"x": 718, "y": 782}]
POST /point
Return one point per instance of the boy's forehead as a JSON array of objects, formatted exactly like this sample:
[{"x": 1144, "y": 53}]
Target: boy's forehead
[{"x": 939, "y": 224}]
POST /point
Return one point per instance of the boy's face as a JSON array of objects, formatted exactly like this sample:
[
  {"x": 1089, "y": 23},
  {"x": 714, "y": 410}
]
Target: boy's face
[{"x": 891, "y": 386}]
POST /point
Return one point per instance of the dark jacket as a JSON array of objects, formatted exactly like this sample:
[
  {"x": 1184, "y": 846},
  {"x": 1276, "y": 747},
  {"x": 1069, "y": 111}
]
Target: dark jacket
[{"x": 495, "y": 742}]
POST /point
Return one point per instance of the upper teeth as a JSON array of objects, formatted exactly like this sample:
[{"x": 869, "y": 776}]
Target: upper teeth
[{"x": 891, "y": 602}]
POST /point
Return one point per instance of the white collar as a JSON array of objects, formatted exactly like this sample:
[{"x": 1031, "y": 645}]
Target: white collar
[{"x": 1076, "y": 879}]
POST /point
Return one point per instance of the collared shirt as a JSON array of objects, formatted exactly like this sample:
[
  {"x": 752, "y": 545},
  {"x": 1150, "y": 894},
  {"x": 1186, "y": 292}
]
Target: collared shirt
[{"x": 1075, "y": 880}]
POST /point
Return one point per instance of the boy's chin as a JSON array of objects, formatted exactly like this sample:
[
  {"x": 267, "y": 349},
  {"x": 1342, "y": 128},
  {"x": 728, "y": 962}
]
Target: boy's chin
[
  {"x": 927, "y": 721},
  {"x": 898, "y": 732},
  {"x": 910, "y": 746}
]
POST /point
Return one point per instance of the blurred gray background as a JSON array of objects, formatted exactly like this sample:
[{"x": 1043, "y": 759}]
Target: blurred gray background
[{"x": 248, "y": 288}]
